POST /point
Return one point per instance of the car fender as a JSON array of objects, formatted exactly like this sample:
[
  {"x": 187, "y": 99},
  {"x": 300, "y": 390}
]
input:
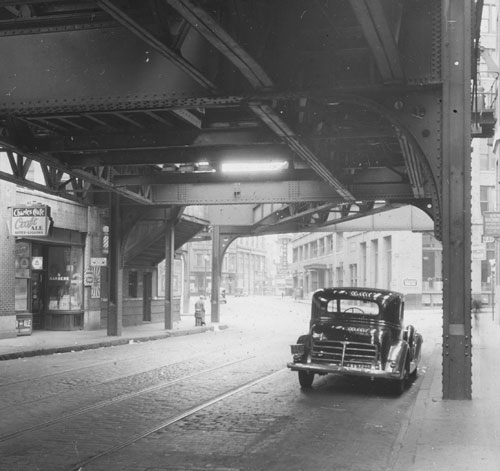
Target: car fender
[
  {"x": 398, "y": 357},
  {"x": 417, "y": 348}
]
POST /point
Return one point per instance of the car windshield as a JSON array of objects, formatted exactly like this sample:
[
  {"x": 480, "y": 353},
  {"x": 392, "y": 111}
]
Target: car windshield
[{"x": 352, "y": 306}]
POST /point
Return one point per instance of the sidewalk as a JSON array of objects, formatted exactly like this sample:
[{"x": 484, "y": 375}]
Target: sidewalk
[
  {"x": 456, "y": 435},
  {"x": 44, "y": 342}
]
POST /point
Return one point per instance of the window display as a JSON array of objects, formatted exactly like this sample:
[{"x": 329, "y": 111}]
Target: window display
[{"x": 65, "y": 287}]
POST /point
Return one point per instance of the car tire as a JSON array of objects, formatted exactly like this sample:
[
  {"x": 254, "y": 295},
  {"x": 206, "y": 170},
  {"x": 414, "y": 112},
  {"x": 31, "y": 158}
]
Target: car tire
[
  {"x": 414, "y": 374},
  {"x": 398, "y": 386},
  {"x": 306, "y": 379}
]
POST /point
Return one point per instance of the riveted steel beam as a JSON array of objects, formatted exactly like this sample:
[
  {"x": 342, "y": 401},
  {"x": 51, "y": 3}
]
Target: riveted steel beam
[
  {"x": 56, "y": 167},
  {"x": 259, "y": 80},
  {"x": 269, "y": 192},
  {"x": 456, "y": 196},
  {"x": 121, "y": 16},
  {"x": 380, "y": 38}
]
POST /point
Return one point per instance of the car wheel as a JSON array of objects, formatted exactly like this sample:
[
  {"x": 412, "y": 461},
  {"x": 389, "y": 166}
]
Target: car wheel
[
  {"x": 306, "y": 379},
  {"x": 398, "y": 387},
  {"x": 413, "y": 375}
]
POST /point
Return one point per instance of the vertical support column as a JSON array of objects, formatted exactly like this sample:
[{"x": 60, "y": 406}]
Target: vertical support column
[
  {"x": 216, "y": 266},
  {"x": 115, "y": 302},
  {"x": 185, "y": 282},
  {"x": 169, "y": 267},
  {"x": 456, "y": 197},
  {"x": 7, "y": 265}
]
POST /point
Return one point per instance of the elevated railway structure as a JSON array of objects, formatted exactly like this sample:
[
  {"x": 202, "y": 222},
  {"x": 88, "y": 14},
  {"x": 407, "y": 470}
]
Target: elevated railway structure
[{"x": 137, "y": 106}]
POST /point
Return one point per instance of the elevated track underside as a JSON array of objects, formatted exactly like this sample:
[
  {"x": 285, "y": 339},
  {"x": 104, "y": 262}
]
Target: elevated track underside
[
  {"x": 366, "y": 105},
  {"x": 149, "y": 99}
]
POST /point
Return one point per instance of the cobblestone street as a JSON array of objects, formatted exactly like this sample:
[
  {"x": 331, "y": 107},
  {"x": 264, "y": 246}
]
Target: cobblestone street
[{"x": 219, "y": 400}]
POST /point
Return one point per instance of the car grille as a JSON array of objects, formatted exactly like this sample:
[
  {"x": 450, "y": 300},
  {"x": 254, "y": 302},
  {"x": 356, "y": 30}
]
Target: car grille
[{"x": 344, "y": 353}]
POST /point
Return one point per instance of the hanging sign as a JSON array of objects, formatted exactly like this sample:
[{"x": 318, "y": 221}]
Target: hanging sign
[{"x": 29, "y": 221}]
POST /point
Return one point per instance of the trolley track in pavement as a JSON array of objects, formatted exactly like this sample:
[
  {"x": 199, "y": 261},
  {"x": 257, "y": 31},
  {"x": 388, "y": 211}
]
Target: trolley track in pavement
[
  {"x": 93, "y": 366},
  {"x": 116, "y": 400},
  {"x": 172, "y": 420}
]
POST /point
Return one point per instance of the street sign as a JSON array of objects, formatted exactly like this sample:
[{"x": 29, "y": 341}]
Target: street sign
[{"x": 410, "y": 282}]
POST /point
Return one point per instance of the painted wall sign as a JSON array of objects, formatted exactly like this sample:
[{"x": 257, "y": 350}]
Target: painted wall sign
[
  {"x": 98, "y": 261},
  {"x": 30, "y": 221}
]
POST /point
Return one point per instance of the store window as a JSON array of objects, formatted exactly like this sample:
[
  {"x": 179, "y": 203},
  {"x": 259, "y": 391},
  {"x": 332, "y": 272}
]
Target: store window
[
  {"x": 22, "y": 265},
  {"x": 65, "y": 288}
]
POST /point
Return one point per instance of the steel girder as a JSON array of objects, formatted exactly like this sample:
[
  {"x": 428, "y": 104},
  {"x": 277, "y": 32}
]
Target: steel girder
[{"x": 205, "y": 72}]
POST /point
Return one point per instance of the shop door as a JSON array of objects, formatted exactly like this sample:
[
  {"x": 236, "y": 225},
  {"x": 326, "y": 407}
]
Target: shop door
[
  {"x": 147, "y": 282},
  {"x": 37, "y": 290}
]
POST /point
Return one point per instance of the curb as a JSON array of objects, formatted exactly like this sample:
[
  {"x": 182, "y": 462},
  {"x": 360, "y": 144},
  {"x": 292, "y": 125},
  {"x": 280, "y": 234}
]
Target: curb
[{"x": 106, "y": 343}]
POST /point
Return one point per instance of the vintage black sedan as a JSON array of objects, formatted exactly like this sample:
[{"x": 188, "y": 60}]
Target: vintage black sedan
[{"x": 359, "y": 332}]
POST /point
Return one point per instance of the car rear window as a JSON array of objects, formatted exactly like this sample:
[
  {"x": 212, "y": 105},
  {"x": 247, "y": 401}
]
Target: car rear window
[{"x": 352, "y": 306}]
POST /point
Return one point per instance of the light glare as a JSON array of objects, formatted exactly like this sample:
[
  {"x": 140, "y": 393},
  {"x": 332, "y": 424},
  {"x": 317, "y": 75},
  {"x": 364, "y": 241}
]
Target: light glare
[{"x": 242, "y": 167}]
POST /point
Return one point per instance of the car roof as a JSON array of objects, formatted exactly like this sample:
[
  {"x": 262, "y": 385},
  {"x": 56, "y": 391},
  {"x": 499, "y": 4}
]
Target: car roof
[{"x": 373, "y": 294}]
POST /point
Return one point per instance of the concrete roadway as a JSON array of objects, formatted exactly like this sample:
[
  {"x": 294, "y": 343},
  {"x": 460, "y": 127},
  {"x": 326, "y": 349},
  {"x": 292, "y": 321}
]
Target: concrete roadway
[{"x": 222, "y": 400}]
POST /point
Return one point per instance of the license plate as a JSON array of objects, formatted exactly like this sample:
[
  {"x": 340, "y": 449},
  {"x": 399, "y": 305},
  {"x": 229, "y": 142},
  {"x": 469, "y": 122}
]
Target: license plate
[{"x": 358, "y": 366}]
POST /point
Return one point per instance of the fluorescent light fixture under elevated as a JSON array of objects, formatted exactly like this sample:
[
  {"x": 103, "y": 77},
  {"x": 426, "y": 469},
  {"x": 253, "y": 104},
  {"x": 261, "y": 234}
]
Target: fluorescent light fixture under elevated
[{"x": 245, "y": 167}]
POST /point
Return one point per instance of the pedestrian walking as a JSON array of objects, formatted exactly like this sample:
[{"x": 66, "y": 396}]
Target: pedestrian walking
[{"x": 199, "y": 312}]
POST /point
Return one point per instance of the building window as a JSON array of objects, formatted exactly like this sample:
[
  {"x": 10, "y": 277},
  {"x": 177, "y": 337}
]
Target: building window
[
  {"x": 489, "y": 18},
  {"x": 487, "y": 161},
  {"x": 353, "y": 270},
  {"x": 340, "y": 275},
  {"x": 329, "y": 243},
  {"x": 132, "y": 284},
  {"x": 321, "y": 247},
  {"x": 363, "y": 263},
  {"x": 388, "y": 260},
  {"x": 339, "y": 242},
  {"x": 374, "y": 257},
  {"x": 486, "y": 196},
  {"x": 314, "y": 249}
]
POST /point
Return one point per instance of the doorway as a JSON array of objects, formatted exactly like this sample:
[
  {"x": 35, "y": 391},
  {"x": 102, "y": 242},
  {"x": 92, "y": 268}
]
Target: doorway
[
  {"x": 147, "y": 286},
  {"x": 37, "y": 302}
]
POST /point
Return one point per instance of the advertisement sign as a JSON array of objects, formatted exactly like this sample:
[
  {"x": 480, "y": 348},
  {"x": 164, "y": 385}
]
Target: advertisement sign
[
  {"x": 30, "y": 221},
  {"x": 491, "y": 224},
  {"x": 98, "y": 261}
]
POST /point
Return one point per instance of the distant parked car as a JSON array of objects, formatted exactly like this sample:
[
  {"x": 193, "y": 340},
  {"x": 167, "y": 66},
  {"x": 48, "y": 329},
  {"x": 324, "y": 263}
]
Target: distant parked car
[{"x": 358, "y": 332}]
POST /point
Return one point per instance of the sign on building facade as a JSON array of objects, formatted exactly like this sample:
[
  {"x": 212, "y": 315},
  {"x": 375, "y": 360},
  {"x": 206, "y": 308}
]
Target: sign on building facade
[
  {"x": 30, "y": 221},
  {"x": 491, "y": 221}
]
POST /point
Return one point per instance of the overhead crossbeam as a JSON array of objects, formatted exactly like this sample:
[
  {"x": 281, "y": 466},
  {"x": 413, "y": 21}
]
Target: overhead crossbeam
[{"x": 269, "y": 192}]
